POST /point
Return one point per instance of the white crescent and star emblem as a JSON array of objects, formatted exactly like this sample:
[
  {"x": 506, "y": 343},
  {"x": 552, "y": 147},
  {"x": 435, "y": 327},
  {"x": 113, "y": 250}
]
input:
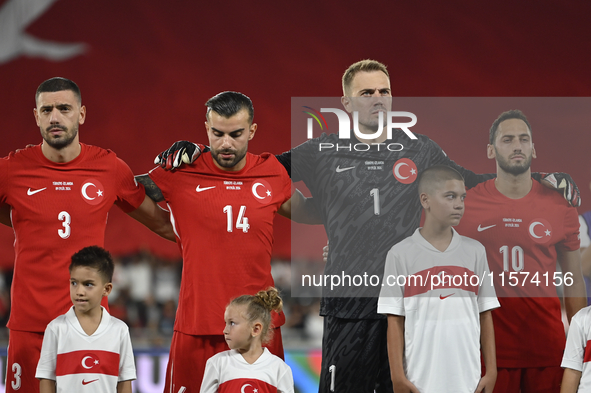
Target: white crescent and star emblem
[
  {"x": 243, "y": 387},
  {"x": 531, "y": 229},
  {"x": 92, "y": 191},
  {"x": 254, "y": 191},
  {"x": 409, "y": 171},
  {"x": 261, "y": 191},
  {"x": 94, "y": 362},
  {"x": 540, "y": 235},
  {"x": 397, "y": 170},
  {"x": 84, "y": 194}
]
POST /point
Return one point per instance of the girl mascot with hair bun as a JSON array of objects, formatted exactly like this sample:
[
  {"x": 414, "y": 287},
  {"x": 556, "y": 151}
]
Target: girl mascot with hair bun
[{"x": 248, "y": 366}]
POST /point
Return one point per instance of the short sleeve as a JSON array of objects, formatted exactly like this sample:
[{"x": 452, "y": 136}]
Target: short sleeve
[
  {"x": 391, "y": 300},
  {"x": 286, "y": 184},
  {"x": 574, "y": 351},
  {"x": 303, "y": 159},
  {"x": 211, "y": 379},
  {"x": 126, "y": 361},
  {"x": 285, "y": 383},
  {"x": 130, "y": 194},
  {"x": 285, "y": 160},
  {"x": 571, "y": 230},
  {"x": 48, "y": 359},
  {"x": 487, "y": 297},
  {"x": 584, "y": 232},
  {"x": 161, "y": 178},
  {"x": 4, "y": 181}
]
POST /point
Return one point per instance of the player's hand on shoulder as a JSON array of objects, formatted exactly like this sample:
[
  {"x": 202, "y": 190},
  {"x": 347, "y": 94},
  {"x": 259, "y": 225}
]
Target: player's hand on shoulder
[
  {"x": 564, "y": 183},
  {"x": 325, "y": 252},
  {"x": 404, "y": 386},
  {"x": 181, "y": 152}
]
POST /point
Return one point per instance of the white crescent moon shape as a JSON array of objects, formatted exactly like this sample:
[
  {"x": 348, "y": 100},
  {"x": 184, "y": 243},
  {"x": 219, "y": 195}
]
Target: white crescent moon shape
[
  {"x": 84, "y": 362},
  {"x": 254, "y": 190},
  {"x": 243, "y": 386},
  {"x": 84, "y": 194},
  {"x": 531, "y": 229},
  {"x": 397, "y": 168}
]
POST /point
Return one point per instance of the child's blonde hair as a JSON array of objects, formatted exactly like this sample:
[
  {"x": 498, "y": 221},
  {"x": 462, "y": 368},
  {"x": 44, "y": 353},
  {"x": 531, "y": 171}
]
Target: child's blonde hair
[{"x": 259, "y": 307}]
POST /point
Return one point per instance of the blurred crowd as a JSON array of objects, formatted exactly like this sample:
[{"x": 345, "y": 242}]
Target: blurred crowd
[{"x": 145, "y": 296}]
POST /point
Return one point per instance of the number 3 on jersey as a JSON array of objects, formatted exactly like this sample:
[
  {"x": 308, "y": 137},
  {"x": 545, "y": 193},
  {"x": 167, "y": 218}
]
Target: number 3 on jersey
[
  {"x": 241, "y": 222},
  {"x": 66, "y": 220}
]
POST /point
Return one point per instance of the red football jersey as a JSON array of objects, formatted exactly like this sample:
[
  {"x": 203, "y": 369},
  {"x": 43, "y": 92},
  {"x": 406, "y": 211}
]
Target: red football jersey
[
  {"x": 57, "y": 209},
  {"x": 521, "y": 236},
  {"x": 224, "y": 224}
]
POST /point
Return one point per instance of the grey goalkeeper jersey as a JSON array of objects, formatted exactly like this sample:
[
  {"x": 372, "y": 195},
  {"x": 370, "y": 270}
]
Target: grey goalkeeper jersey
[{"x": 368, "y": 201}]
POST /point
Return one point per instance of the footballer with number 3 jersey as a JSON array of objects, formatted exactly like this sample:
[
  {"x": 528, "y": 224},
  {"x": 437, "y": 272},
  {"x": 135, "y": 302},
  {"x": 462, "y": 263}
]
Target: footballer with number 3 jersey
[
  {"x": 222, "y": 208},
  {"x": 59, "y": 194}
]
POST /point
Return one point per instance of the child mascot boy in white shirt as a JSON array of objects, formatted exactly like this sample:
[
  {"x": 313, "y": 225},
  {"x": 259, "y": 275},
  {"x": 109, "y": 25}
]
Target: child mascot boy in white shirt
[
  {"x": 87, "y": 349},
  {"x": 439, "y": 316}
]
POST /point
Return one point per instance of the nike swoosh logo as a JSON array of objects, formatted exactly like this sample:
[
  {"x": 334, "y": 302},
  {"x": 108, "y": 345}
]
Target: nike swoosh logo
[
  {"x": 445, "y": 297},
  {"x": 339, "y": 169},
  {"x": 29, "y": 192},
  {"x": 204, "y": 188},
  {"x": 480, "y": 229},
  {"x": 86, "y": 383}
]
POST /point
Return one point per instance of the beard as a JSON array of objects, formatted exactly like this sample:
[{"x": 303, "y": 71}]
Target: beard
[
  {"x": 61, "y": 141},
  {"x": 514, "y": 169},
  {"x": 225, "y": 163}
]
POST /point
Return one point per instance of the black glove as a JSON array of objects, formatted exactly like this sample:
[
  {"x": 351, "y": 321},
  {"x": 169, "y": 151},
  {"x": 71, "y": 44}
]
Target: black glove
[
  {"x": 562, "y": 182},
  {"x": 180, "y": 152}
]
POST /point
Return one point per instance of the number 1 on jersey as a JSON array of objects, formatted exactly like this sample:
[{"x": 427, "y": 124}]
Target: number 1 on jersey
[
  {"x": 241, "y": 222},
  {"x": 375, "y": 193}
]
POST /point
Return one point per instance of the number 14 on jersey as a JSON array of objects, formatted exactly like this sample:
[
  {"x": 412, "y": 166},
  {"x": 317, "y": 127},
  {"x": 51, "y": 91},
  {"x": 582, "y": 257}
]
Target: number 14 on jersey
[{"x": 241, "y": 221}]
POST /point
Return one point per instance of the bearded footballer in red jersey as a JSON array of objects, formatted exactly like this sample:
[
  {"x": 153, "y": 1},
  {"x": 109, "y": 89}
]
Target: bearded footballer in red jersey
[
  {"x": 59, "y": 194},
  {"x": 222, "y": 208},
  {"x": 525, "y": 228}
]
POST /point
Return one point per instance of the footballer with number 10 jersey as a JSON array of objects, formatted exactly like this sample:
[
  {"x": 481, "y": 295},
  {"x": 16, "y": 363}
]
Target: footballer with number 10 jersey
[{"x": 523, "y": 235}]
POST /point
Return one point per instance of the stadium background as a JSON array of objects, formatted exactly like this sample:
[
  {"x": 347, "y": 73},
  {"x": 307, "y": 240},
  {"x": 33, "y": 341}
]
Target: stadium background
[{"x": 146, "y": 68}]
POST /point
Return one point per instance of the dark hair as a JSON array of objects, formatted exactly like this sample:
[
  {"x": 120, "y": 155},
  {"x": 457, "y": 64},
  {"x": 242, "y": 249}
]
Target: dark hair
[
  {"x": 431, "y": 177},
  {"x": 512, "y": 114},
  {"x": 259, "y": 307},
  {"x": 366, "y": 65},
  {"x": 228, "y": 103},
  {"x": 97, "y": 258},
  {"x": 58, "y": 84}
]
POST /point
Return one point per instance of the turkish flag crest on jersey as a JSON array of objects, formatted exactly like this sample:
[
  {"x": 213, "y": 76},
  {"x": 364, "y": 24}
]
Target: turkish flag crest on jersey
[
  {"x": 540, "y": 230},
  {"x": 261, "y": 191},
  {"x": 405, "y": 171},
  {"x": 92, "y": 191},
  {"x": 85, "y": 362}
]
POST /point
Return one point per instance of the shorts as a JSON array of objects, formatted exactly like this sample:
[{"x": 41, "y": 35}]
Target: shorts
[
  {"x": 355, "y": 356},
  {"x": 24, "y": 350},
  {"x": 529, "y": 380},
  {"x": 188, "y": 355}
]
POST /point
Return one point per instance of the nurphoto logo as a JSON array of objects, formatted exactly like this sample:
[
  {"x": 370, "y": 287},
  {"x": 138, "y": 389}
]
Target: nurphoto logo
[{"x": 388, "y": 125}]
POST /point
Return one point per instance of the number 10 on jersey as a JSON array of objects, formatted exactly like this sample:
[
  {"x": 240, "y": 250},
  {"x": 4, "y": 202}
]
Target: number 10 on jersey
[{"x": 241, "y": 222}]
